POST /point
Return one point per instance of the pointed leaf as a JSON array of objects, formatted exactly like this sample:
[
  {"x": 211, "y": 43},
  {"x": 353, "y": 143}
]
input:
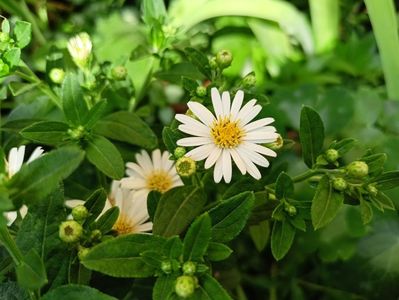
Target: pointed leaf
[
  {"x": 73, "y": 103},
  {"x": 197, "y": 238},
  {"x": 283, "y": 234}
]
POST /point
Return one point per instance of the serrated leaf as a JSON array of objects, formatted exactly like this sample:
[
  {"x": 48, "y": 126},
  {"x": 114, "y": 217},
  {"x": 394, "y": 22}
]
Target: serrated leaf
[
  {"x": 105, "y": 156},
  {"x": 73, "y": 103},
  {"x": 311, "y": 134},
  {"x": 325, "y": 204},
  {"x": 218, "y": 251},
  {"x": 197, "y": 238},
  {"x": 283, "y": 234},
  {"x": 46, "y": 132},
  {"x": 22, "y": 33},
  {"x": 76, "y": 292}
]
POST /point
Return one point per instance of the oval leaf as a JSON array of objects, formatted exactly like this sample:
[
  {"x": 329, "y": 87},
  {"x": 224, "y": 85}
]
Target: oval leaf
[
  {"x": 283, "y": 234},
  {"x": 197, "y": 238},
  {"x": 73, "y": 103},
  {"x": 76, "y": 292},
  {"x": 46, "y": 132}
]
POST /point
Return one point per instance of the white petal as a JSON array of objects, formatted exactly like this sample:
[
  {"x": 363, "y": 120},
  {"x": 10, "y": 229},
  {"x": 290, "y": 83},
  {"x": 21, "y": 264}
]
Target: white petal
[
  {"x": 237, "y": 102},
  {"x": 15, "y": 160},
  {"x": 258, "y": 123},
  {"x": 144, "y": 227},
  {"x": 260, "y": 149},
  {"x": 193, "y": 141},
  {"x": 227, "y": 170},
  {"x": 250, "y": 115},
  {"x": 156, "y": 159},
  {"x": 195, "y": 130},
  {"x": 201, "y": 152},
  {"x": 144, "y": 161},
  {"x": 190, "y": 122},
  {"x": 134, "y": 169},
  {"x": 226, "y": 103},
  {"x": 35, "y": 154},
  {"x": 238, "y": 161},
  {"x": 255, "y": 157},
  {"x": 202, "y": 113},
  {"x": 213, "y": 157},
  {"x": 133, "y": 183},
  {"x": 10, "y": 216},
  {"x": 167, "y": 164},
  {"x": 246, "y": 109},
  {"x": 249, "y": 165},
  {"x": 217, "y": 102},
  {"x": 260, "y": 135},
  {"x": 23, "y": 211},
  {"x": 218, "y": 171},
  {"x": 177, "y": 182},
  {"x": 74, "y": 202}
]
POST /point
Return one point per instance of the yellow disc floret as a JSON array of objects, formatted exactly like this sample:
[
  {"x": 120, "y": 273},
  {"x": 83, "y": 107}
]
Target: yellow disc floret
[
  {"x": 124, "y": 225},
  {"x": 159, "y": 181},
  {"x": 226, "y": 133}
]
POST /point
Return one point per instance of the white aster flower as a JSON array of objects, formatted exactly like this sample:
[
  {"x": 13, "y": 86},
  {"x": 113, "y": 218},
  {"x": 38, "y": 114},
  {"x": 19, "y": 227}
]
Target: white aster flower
[
  {"x": 13, "y": 165},
  {"x": 156, "y": 174},
  {"x": 79, "y": 48},
  {"x": 227, "y": 135},
  {"x": 133, "y": 214}
]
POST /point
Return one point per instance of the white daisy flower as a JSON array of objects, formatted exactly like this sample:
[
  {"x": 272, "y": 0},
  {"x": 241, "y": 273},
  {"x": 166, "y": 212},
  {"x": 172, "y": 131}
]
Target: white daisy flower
[
  {"x": 13, "y": 165},
  {"x": 156, "y": 174},
  {"x": 79, "y": 48},
  {"x": 133, "y": 215},
  {"x": 227, "y": 135}
]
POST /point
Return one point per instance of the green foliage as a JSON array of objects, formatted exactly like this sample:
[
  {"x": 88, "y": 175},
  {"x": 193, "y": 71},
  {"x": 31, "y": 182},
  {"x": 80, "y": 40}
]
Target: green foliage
[
  {"x": 74, "y": 105},
  {"x": 282, "y": 237},
  {"x": 78, "y": 292},
  {"x": 197, "y": 238},
  {"x": 31, "y": 273}
]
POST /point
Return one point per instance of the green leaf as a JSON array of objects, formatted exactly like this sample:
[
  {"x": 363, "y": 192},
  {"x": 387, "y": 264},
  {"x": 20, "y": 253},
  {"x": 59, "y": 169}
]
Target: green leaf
[
  {"x": 176, "y": 210},
  {"x": 230, "y": 216},
  {"x": 311, "y": 134},
  {"x": 120, "y": 257},
  {"x": 173, "y": 247},
  {"x": 283, "y": 234},
  {"x": 366, "y": 211},
  {"x": 152, "y": 203},
  {"x": 197, "y": 238},
  {"x": 200, "y": 60},
  {"x": 260, "y": 234},
  {"x": 153, "y": 10},
  {"x": 189, "y": 84},
  {"x": 11, "y": 290},
  {"x": 95, "y": 204},
  {"x": 22, "y": 33},
  {"x": 127, "y": 127},
  {"x": 73, "y": 103},
  {"x": 19, "y": 88},
  {"x": 5, "y": 26},
  {"x": 164, "y": 287},
  {"x": 46, "y": 132},
  {"x": 152, "y": 258},
  {"x": 169, "y": 137},
  {"x": 31, "y": 273},
  {"x": 2, "y": 161},
  {"x": 40, "y": 177},
  {"x": 95, "y": 114},
  {"x": 384, "y": 201},
  {"x": 104, "y": 155},
  {"x": 284, "y": 186},
  {"x": 375, "y": 163},
  {"x": 108, "y": 219},
  {"x": 218, "y": 251},
  {"x": 325, "y": 204},
  {"x": 212, "y": 289},
  {"x": 387, "y": 180},
  {"x": 12, "y": 57},
  {"x": 76, "y": 292},
  {"x": 343, "y": 146}
]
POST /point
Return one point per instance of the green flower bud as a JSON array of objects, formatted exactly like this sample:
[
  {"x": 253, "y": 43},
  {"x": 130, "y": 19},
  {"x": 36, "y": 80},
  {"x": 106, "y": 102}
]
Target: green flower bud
[
  {"x": 358, "y": 169},
  {"x": 57, "y": 75},
  {"x": 179, "y": 152},
  {"x": 185, "y": 286},
  {"x": 332, "y": 155},
  {"x": 80, "y": 213},
  {"x": 372, "y": 190},
  {"x": 249, "y": 81},
  {"x": 95, "y": 235},
  {"x": 213, "y": 63},
  {"x": 70, "y": 231},
  {"x": 339, "y": 184},
  {"x": 277, "y": 144},
  {"x": 224, "y": 58},
  {"x": 189, "y": 268},
  {"x": 76, "y": 133},
  {"x": 290, "y": 209},
  {"x": 201, "y": 91},
  {"x": 119, "y": 73},
  {"x": 166, "y": 267},
  {"x": 185, "y": 166},
  {"x": 83, "y": 252}
]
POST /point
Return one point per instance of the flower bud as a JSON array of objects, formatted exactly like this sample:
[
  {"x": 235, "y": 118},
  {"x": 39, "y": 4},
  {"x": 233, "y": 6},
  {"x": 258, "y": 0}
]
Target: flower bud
[
  {"x": 185, "y": 166},
  {"x": 76, "y": 133},
  {"x": 249, "y": 80},
  {"x": 189, "y": 268},
  {"x": 277, "y": 144},
  {"x": 372, "y": 190},
  {"x": 70, "y": 231},
  {"x": 79, "y": 48},
  {"x": 290, "y": 209},
  {"x": 57, "y": 75},
  {"x": 339, "y": 184},
  {"x": 119, "y": 73},
  {"x": 179, "y": 152},
  {"x": 224, "y": 59},
  {"x": 185, "y": 286},
  {"x": 358, "y": 169},
  {"x": 166, "y": 267},
  {"x": 80, "y": 213},
  {"x": 201, "y": 91},
  {"x": 213, "y": 63},
  {"x": 331, "y": 155},
  {"x": 95, "y": 235},
  {"x": 83, "y": 252}
]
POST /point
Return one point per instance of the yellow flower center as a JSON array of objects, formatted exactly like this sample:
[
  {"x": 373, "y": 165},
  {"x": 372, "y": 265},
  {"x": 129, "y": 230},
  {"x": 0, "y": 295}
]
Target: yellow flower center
[
  {"x": 159, "y": 181},
  {"x": 226, "y": 134},
  {"x": 124, "y": 225}
]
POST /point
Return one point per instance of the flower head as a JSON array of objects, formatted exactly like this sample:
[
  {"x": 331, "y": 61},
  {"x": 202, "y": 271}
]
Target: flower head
[
  {"x": 151, "y": 174},
  {"x": 228, "y": 135},
  {"x": 79, "y": 48}
]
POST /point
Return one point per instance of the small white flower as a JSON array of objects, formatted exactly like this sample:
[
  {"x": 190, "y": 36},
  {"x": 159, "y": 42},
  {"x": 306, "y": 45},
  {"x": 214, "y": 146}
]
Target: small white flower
[
  {"x": 229, "y": 135},
  {"x": 13, "y": 165},
  {"x": 133, "y": 215},
  {"x": 156, "y": 174},
  {"x": 79, "y": 48}
]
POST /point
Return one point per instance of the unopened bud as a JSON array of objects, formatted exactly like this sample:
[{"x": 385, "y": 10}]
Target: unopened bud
[
  {"x": 95, "y": 235},
  {"x": 79, "y": 48},
  {"x": 57, "y": 75},
  {"x": 185, "y": 166},
  {"x": 179, "y": 152},
  {"x": 358, "y": 169},
  {"x": 83, "y": 252},
  {"x": 189, "y": 268},
  {"x": 290, "y": 209},
  {"x": 372, "y": 190},
  {"x": 185, "y": 286},
  {"x": 76, "y": 133},
  {"x": 332, "y": 155},
  {"x": 166, "y": 267},
  {"x": 80, "y": 213},
  {"x": 119, "y": 73},
  {"x": 277, "y": 144},
  {"x": 213, "y": 63},
  {"x": 201, "y": 91},
  {"x": 339, "y": 184},
  {"x": 224, "y": 58},
  {"x": 249, "y": 81},
  {"x": 70, "y": 231}
]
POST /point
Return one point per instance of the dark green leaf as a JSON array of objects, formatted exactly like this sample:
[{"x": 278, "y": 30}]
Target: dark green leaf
[
  {"x": 189, "y": 84},
  {"x": 18, "y": 88},
  {"x": 40, "y": 177},
  {"x": 284, "y": 186},
  {"x": 2, "y": 161},
  {"x": 120, "y": 257},
  {"x": 212, "y": 289},
  {"x": 197, "y": 238},
  {"x": 173, "y": 247},
  {"x": 169, "y": 137},
  {"x": 95, "y": 114},
  {"x": 218, "y": 251},
  {"x": 22, "y": 33},
  {"x": 152, "y": 258},
  {"x": 31, "y": 273},
  {"x": 343, "y": 145},
  {"x": 230, "y": 216},
  {"x": 46, "y": 132},
  {"x": 104, "y": 155},
  {"x": 108, "y": 219},
  {"x": 387, "y": 180},
  {"x": 283, "y": 234},
  {"x": 127, "y": 127},
  {"x": 366, "y": 212},
  {"x": 375, "y": 163},
  {"x": 95, "y": 204},
  {"x": 152, "y": 203},
  {"x": 311, "y": 134},
  {"x": 76, "y": 292},
  {"x": 176, "y": 210},
  {"x": 260, "y": 234},
  {"x": 11, "y": 290},
  {"x": 200, "y": 60},
  {"x": 325, "y": 204},
  {"x": 74, "y": 104},
  {"x": 164, "y": 287}
]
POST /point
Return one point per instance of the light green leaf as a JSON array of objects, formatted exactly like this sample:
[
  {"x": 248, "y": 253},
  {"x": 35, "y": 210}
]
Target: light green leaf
[
  {"x": 76, "y": 292},
  {"x": 387, "y": 180},
  {"x": 12, "y": 56},
  {"x": 197, "y": 238},
  {"x": 283, "y": 234},
  {"x": 46, "y": 132},
  {"x": 31, "y": 273},
  {"x": 73, "y": 103},
  {"x": 22, "y": 33}
]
